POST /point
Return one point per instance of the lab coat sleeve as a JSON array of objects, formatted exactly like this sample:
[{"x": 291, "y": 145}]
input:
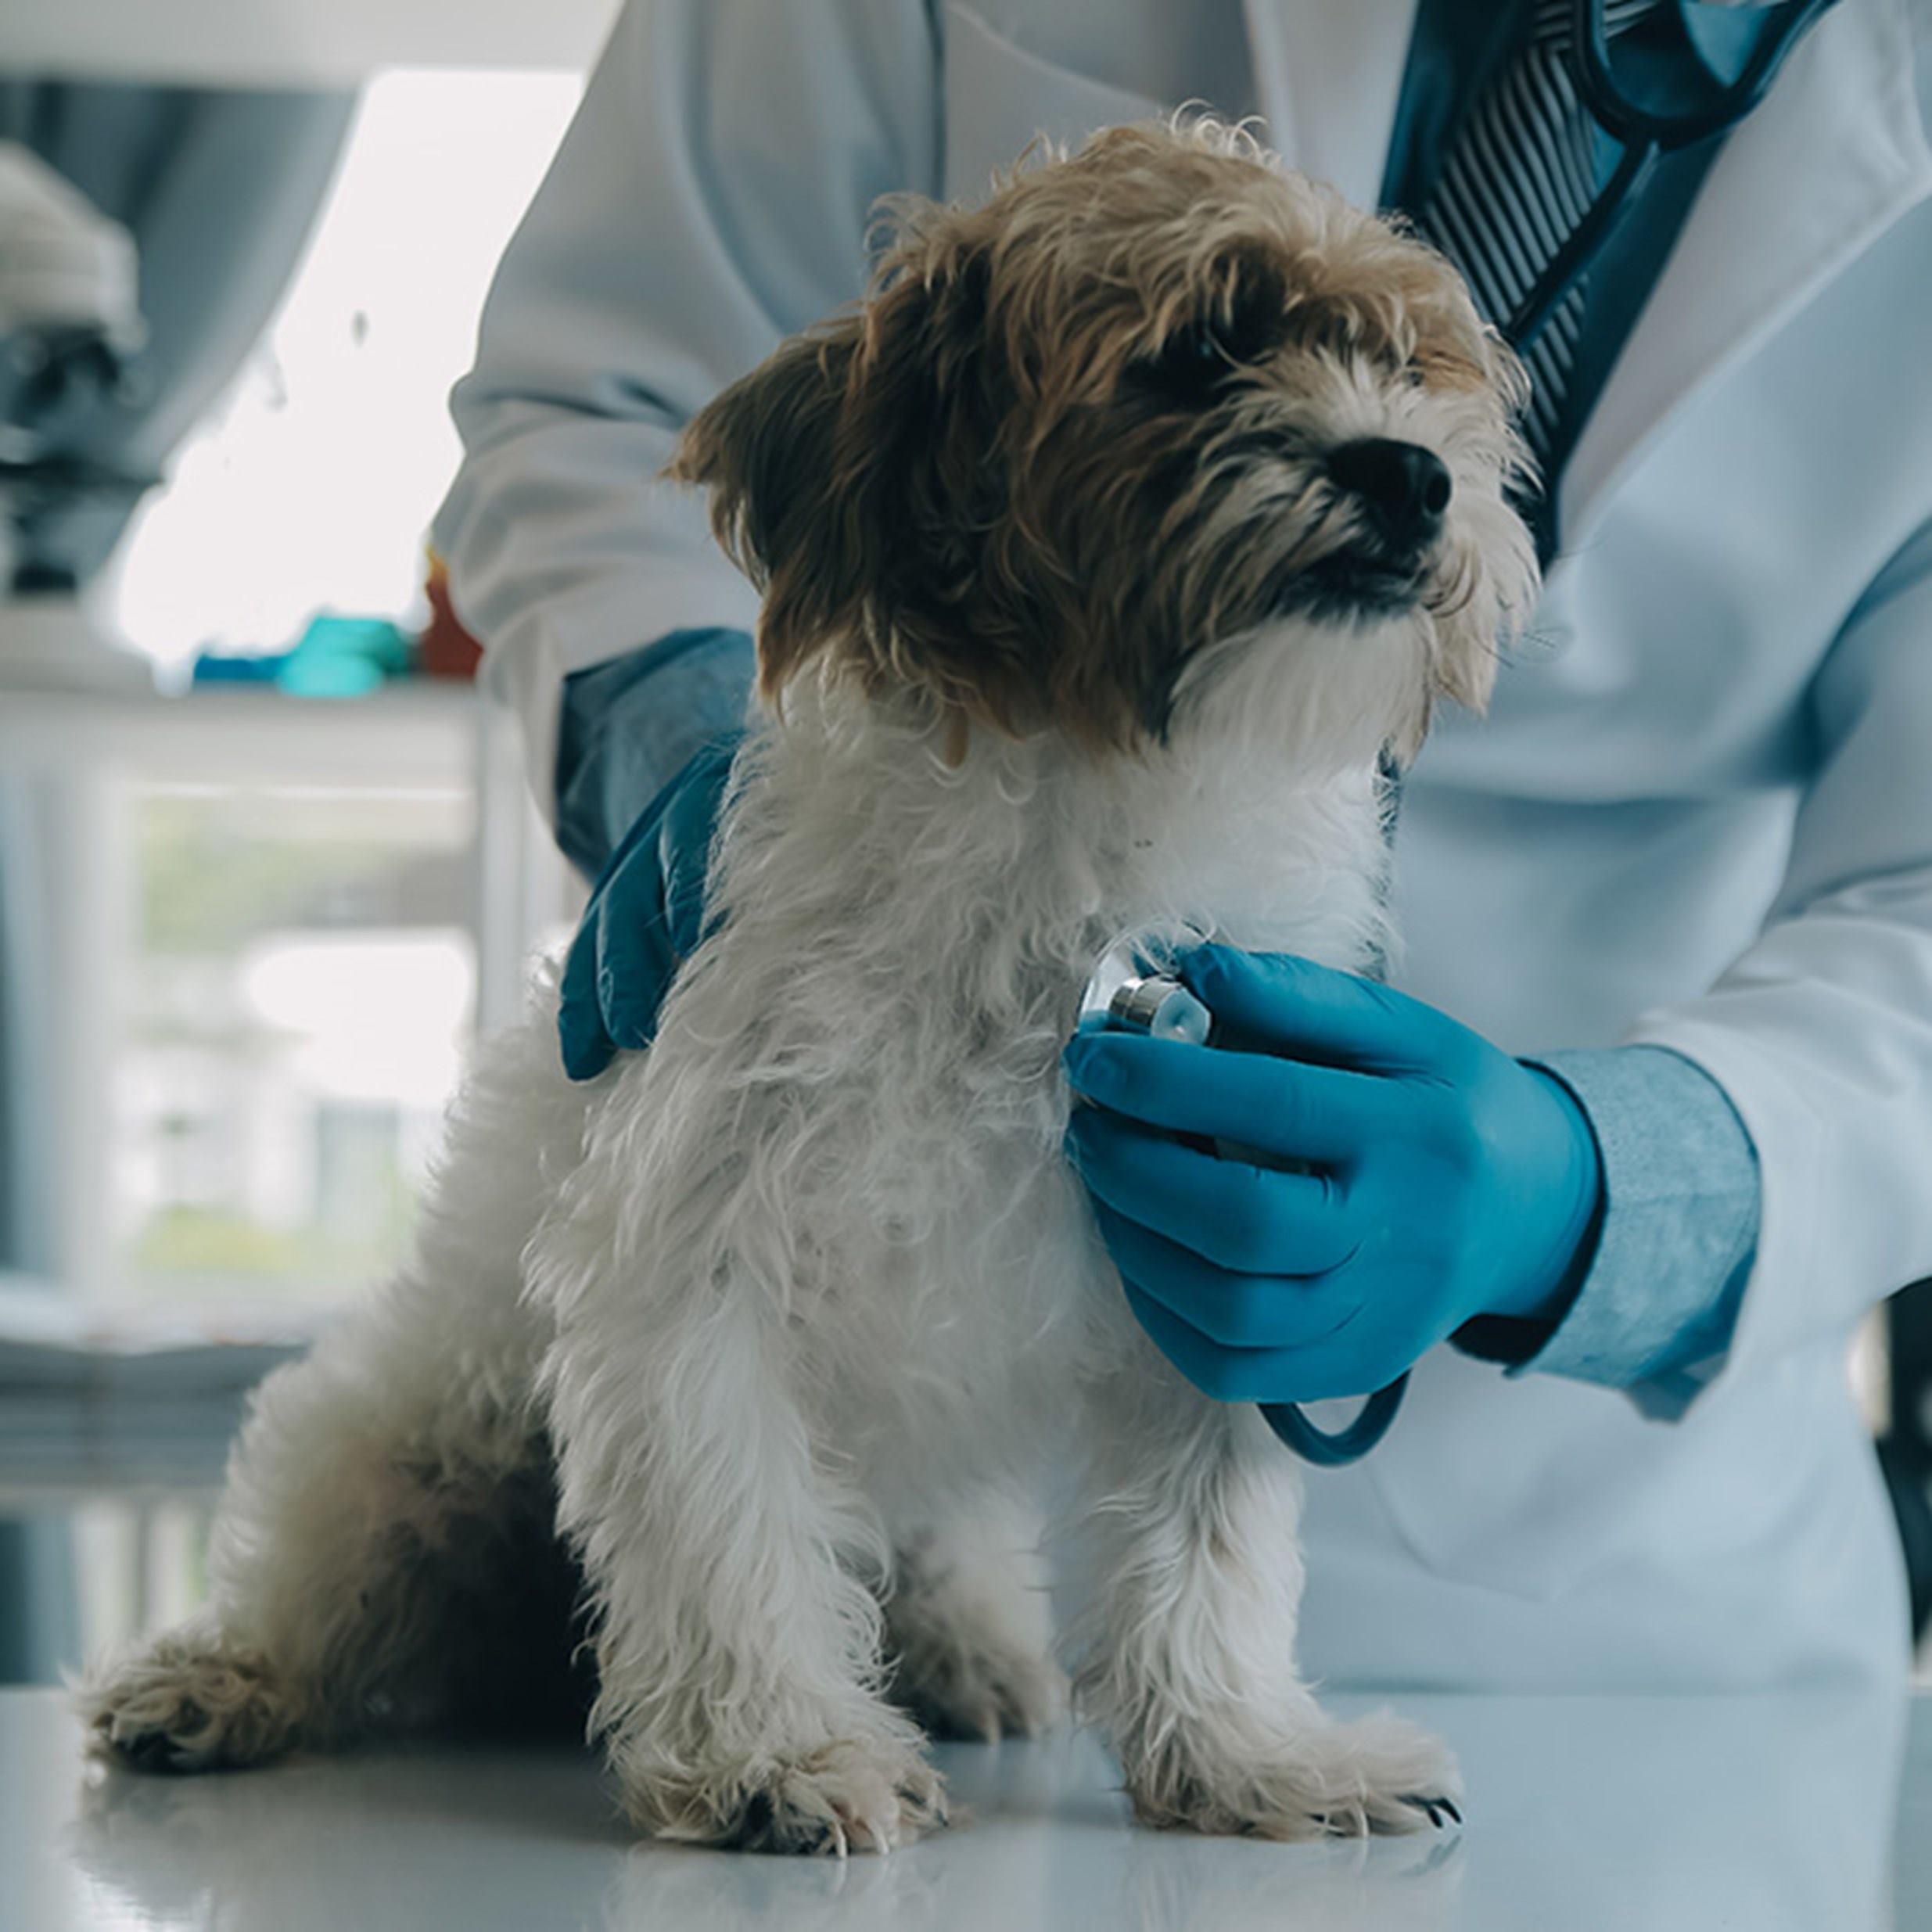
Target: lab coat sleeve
[
  {"x": 1821, "y": 1032},
  {"x": 631, "y": 724},
  {"x": 1654, "y": 1313},
  {"x": 711, "y": 195}
]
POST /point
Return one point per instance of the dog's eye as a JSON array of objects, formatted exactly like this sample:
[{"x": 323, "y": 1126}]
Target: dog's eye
[
  {"x": 1193, "y": 363},
  {"x": 1190, "y": 367},
  {"x": 1253, "y": 324}
]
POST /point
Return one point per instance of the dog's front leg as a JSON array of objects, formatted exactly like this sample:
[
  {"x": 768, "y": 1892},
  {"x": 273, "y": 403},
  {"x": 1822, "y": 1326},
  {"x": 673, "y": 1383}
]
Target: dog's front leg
[
  {"x": 1188, "y": 1657},
  {"x": 737, "y": 1640}
]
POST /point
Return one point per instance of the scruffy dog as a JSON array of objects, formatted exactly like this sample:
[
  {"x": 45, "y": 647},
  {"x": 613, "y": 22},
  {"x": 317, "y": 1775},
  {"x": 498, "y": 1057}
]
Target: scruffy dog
[{"x": 1106, "y": 549}]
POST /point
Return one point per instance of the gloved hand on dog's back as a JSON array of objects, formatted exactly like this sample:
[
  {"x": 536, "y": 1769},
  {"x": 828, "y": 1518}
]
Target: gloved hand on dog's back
[
  {"x": 1436, "y": 1180},
  {"x": 646, "y": 913}
]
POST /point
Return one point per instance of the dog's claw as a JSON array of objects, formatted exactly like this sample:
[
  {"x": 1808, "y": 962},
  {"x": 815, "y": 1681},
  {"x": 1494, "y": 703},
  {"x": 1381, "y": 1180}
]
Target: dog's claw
[
  {"x": 939, "y": 1817},
  {"x": 1435, "y": 1809}
]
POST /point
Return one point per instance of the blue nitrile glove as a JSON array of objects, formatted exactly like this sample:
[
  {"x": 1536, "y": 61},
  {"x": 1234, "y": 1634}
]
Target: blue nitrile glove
[
  {"x": 646, "y": 912},
  {"x": 1448, "y": 1181}
]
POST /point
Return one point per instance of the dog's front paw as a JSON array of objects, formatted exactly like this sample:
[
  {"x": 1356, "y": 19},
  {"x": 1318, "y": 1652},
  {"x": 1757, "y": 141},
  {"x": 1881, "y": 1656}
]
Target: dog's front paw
[
  {"x": 843, "y": 1797},
  {"x": 1379, "y": 1775},
  {"x": 184, "y": 1702}
]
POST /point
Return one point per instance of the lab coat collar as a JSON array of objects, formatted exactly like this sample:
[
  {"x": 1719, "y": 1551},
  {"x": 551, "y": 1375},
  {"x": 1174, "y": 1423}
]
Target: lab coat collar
[
  {"x": 1833, "y": 159},
  {"x": 1835, "y": 156}
]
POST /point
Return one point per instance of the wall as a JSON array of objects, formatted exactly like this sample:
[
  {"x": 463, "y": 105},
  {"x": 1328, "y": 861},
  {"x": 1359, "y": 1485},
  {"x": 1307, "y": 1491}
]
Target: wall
[{"x": 283, "y": 43}]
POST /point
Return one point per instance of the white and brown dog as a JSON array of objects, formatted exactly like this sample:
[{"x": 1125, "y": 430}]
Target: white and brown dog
[{"x": 1106, "y": 550}]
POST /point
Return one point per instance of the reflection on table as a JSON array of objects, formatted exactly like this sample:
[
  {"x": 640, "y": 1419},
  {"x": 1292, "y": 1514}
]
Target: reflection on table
[{"x": 1657, "y": 1815}]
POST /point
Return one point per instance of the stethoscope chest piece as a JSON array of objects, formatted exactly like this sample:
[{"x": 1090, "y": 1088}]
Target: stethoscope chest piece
[{"x": 1160, "y": 1007}]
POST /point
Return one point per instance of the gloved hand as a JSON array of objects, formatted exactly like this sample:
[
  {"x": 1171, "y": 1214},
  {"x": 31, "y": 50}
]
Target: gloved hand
[
  {"x": 646, "y": 912},
  {"x": 1448, "y": 1181}
]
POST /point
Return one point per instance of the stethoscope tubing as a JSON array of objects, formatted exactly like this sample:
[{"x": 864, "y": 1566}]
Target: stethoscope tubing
[
  {"x": 1591, "y": 234},
  {"x": 1327, "y": 1449},
  {"x": 1644, "y": 138},
  {"x": 1630, "y": 122}
]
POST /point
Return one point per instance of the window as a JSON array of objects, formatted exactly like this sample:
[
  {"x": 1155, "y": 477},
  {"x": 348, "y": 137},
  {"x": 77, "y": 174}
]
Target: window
[
  {"x": 309, "y": 486},
  {"x": 299, "y": 985},
  {"x": 263, "y": 929}
]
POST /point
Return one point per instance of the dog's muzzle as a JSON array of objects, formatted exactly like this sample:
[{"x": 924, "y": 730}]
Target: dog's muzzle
[{"x": 1399, "y": 495}]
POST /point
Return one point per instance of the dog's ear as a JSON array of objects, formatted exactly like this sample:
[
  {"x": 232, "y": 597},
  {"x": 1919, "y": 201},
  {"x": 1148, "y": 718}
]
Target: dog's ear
[
  {"x": 764, "y": 448},
  {"x": 853, "y": 476}
]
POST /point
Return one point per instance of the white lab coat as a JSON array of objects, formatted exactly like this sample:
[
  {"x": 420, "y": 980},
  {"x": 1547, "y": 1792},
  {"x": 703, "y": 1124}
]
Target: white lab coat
[{"x": 1699, "y": 813}]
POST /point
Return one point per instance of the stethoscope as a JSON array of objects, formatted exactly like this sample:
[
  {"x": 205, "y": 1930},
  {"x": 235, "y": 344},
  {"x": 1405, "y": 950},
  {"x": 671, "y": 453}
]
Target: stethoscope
[
  {"x": 1645, "y": 136},
  {"x": 1132, "y": 997},
  {"x": 1147, "y": 1000}
]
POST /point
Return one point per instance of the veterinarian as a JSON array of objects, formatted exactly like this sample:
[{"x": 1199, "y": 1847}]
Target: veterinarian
[{"x": 1684, "y": 869}]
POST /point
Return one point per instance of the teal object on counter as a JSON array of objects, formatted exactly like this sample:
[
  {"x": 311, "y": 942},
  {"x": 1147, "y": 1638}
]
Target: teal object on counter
[
  {"x": 336, "y": 657},
  {"x": 343, "y": 657}
]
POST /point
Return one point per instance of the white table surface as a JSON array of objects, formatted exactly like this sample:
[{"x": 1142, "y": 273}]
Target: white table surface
[{"x": 1585, "y": 1815}]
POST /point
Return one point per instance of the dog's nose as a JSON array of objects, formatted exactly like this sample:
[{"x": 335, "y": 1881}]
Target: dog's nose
[{"x": 1406, "y": 486}]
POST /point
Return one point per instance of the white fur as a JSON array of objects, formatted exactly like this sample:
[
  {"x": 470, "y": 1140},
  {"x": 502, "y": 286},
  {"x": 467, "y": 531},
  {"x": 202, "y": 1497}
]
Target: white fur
[{"x": 809, "y": 1283}]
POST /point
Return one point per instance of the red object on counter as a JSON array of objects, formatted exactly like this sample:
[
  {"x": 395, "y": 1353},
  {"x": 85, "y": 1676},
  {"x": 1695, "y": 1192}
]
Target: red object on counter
[{"x": 445, "y": 649}]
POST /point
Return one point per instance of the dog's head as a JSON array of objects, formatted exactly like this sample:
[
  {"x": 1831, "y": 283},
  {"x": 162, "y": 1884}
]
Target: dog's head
[{"x": 1151, "y": 410}]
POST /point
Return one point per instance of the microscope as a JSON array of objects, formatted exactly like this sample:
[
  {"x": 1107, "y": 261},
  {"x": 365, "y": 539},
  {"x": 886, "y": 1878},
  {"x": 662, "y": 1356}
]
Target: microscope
[{"x": 70, "y": 325}]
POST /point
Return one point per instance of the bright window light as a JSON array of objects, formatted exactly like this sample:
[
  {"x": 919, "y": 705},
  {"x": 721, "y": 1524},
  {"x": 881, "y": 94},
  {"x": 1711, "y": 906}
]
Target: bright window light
[{"x": 311, "y": 485}]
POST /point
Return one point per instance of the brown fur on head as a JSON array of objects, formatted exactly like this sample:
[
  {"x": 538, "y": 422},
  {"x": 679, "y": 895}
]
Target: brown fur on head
[{"x": 1078, "y": 433}]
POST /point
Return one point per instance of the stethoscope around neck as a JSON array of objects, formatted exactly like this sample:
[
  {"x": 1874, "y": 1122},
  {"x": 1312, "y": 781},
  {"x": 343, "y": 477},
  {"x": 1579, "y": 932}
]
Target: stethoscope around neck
[
  {"x": 1147, "y": 1000},
  {"x": 1645, "y": 135}
]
